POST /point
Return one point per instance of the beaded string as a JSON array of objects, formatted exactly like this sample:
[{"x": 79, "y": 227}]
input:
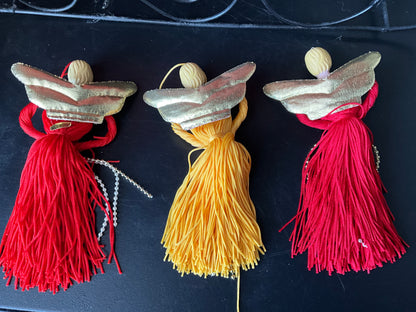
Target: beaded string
[
  {"x": 116, "y": 173},
  {"x": 377, "y": 155},
  {"x": 107, "y": 208},
  {"x": 375, "y": 151}
]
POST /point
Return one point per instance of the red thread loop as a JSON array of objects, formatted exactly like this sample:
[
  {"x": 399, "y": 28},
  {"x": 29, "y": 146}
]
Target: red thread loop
[
  {"x": 65, "y": 71},
  {"x": 25, "y": 120},
  {"x": 75, "y": 132}
]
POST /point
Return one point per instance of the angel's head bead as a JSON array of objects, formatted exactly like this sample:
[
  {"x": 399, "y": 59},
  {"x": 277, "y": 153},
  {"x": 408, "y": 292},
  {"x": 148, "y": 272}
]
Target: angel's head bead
[
  {"x": 192, "y": 76},
  {"x": 79, "y": 72},
  {"x": 200, "y": 102},
  {"x": 318, "y": 62}
]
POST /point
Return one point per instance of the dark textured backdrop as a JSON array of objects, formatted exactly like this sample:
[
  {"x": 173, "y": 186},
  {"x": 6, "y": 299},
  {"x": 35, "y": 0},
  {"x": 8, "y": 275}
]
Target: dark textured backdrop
[{"x": 150, "y": 153}]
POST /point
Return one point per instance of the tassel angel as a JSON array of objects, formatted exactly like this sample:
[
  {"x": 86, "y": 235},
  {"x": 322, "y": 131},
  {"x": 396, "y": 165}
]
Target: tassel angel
[
  {"x": 211, "y": 227},
  {"x": 343, "y": 220},
  {"x": 50, "y": 239}
]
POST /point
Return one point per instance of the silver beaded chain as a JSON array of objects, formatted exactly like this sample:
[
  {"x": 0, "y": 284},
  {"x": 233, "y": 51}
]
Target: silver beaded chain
[
  {"x": 376, "y": 154},
  {"x": 107, "y": 208},
  {"x": 116, "y": 173},
  {"x": 307, "y": 162}
]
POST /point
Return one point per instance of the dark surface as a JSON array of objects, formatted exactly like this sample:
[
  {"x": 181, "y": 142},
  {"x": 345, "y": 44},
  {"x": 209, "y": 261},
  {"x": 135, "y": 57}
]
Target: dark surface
[
  {"x": 375, "y": 15},
  {"x": 153, "y": 155}
]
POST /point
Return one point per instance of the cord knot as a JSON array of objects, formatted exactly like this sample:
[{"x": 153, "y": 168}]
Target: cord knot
[{"x": 221, "y": 136}]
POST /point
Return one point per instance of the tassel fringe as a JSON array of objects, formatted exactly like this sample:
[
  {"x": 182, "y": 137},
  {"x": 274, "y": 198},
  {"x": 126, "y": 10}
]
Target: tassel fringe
[
  {"x": 50, "y": 240},
  {"x": 343, "y": 220},
  {"x": 211, "y": 227}
]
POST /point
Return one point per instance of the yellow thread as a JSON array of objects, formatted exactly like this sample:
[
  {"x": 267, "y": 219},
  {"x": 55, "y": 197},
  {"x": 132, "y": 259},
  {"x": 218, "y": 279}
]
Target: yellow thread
[
  {"x": 211, "y": 227},
  {"x": 185, "y": 135},
  {"x": 238, "y": 293},
  {"x": 168, "y": 73}
]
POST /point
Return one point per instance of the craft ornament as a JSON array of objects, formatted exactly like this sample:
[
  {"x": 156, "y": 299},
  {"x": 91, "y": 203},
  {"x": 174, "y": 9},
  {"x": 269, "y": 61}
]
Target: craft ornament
[
  {"x": 195, "y": 106},
  {"x": 79, "y": 99},
  {"x": 50, "y": 239},
  {"x": 343, "y": 220},
  {"x": 316, "y": 98},
  {"x": 211, "y": 227}
]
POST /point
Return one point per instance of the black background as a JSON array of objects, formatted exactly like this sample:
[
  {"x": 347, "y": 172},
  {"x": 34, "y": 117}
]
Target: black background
[{"x": 153, "y": 155}]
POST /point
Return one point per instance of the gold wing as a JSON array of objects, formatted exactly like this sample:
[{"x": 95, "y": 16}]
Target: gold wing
[
  {"x": 318, "y": 97},
  {"x": 210, "y": 102},
  {"x": 65, "y": 101}
]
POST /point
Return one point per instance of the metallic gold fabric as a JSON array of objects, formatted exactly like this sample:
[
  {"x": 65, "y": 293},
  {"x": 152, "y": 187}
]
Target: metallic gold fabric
[
  {"x": 63, "y": 100},
  {"x": 318, "y": 97},
  {"x": 210, "y": 102}
]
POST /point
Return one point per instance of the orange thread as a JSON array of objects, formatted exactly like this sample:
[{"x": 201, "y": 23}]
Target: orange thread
[{"x": 211, "y": 227}]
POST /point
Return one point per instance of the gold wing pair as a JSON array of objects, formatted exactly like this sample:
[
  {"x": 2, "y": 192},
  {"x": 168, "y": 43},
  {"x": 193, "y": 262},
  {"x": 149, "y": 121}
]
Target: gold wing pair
[
  {"x": 63, "y": 100},
  {"x": 90, "y": 102},
  {"x": 193, "y": 107},
  {"x": 318, "y": 97}
]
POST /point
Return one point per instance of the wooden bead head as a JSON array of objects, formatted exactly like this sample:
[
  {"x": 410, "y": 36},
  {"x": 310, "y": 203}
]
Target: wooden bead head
[
  {"x": 79, "y": 72},
  {"x": 318, "y": 62},
  {"x": 192, "y": 76}
]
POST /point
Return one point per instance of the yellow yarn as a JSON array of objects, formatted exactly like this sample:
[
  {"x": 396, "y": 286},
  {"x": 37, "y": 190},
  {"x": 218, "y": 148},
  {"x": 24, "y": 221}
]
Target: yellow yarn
[{"x": 211, "y": 227}]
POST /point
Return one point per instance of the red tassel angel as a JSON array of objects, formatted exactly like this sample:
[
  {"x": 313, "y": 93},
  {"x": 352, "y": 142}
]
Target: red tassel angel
[
  {"x": 50, "y": 240},
  {"x": 343, "y": 220}
]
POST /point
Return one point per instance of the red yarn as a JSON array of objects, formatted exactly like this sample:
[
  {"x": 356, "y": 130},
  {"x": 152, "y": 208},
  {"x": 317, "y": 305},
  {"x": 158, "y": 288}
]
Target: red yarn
[
  {"x": 50, "y": 239},
  {"x": 343, "y": 220}
]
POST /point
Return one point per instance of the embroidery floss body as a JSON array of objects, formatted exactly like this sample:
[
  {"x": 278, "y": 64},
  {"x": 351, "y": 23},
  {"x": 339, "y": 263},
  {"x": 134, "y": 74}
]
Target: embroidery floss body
[
  {"x": 212, "y": 208},
  {"x": 343, "y": 220},
  {"x": 50, "y": 239},
  {"x": 211, "y": 227}
]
